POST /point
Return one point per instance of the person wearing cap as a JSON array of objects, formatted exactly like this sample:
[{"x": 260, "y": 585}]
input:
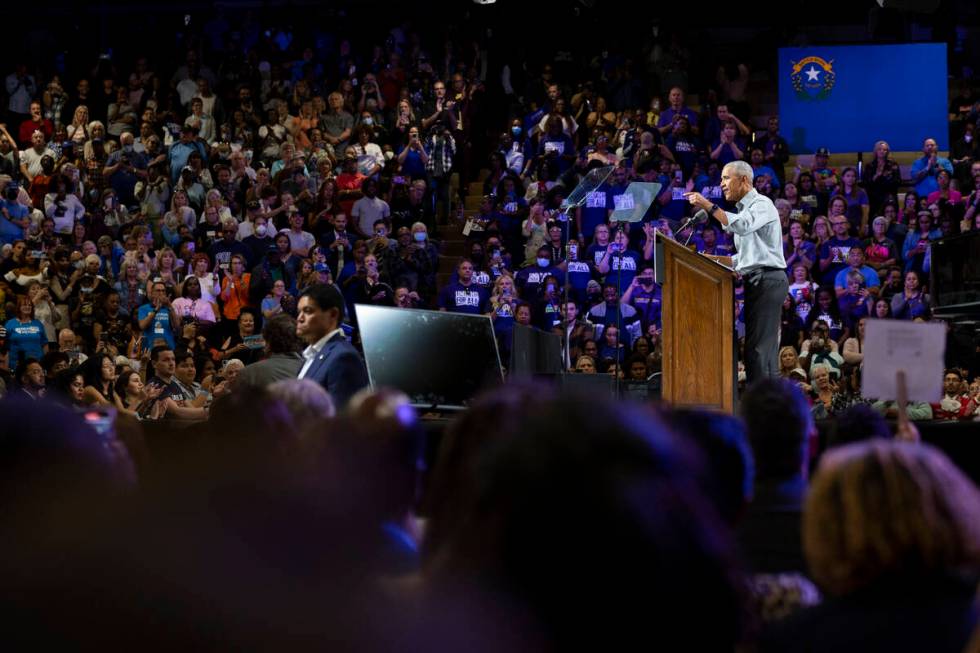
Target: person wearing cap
[
  {"x": 329, "y": 359},
  {"x": 349, "y": 183},
  {"x": 191, "y": 183},
  {"x": 323, "y": 274},
  {"x": 925, "y": 170},
  {"x": 181, "y": 150},
  {"x": 268, "y": 270},
  {"x": 880, "y": 251}
]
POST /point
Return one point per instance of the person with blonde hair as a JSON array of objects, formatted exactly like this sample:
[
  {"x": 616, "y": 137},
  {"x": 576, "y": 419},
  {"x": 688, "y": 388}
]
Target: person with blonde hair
[
  {"x": 789, "y": 361},
  {"x": 891, "y": 534}
]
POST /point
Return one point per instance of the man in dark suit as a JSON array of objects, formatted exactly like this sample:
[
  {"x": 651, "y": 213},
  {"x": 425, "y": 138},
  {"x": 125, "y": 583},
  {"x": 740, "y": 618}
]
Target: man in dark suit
[
  {"x": 329, "y": 359},
  {"x": 282, "y": 348}
]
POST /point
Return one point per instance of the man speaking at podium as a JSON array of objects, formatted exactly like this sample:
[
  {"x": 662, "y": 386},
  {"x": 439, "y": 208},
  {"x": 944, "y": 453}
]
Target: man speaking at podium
[{"x": 759, "y": 261}]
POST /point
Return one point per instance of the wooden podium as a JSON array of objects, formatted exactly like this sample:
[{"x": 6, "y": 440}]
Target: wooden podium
[{"x": 699, "y": 368}]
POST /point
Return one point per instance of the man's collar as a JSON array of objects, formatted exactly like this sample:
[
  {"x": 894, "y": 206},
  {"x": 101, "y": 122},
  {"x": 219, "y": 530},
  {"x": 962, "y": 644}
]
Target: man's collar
[
  {"x": 318, "y": 346},
  {"x": 747, "y": 198}
]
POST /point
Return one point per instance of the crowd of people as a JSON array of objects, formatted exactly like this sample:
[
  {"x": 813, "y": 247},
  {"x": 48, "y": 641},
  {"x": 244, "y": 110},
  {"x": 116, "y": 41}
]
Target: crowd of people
[
  {"x": 544, "y": 522},
  {"x": 186, "y": 207},
  {"x": 172, "y": 237}
]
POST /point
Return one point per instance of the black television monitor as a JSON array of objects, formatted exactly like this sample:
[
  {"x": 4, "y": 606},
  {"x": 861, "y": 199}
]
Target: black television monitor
[
  {"x": 440, "y": 360},
  {"x": 955, "y": 273},
  {"x": 534, "y": 352}
]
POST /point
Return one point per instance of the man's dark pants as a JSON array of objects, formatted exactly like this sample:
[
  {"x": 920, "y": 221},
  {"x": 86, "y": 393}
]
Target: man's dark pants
[{"x": 765, "y": 291}]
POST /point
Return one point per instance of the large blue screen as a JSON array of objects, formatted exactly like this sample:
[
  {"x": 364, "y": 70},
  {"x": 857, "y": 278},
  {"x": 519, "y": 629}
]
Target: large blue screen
[{"x": 847, "y": 97}]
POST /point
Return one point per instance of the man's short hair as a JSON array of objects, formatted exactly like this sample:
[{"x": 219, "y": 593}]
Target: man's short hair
[
  {"x": 279, "y": 334},
  {"x": 741, "y": 169},
  {"x": 159, "y": 349},
  {"x": 778, "y": 421},
  {"x": 326, "y": 296}
]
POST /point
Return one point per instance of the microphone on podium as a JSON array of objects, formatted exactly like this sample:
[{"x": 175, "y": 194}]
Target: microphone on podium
[{"x": 698, "y": 218}]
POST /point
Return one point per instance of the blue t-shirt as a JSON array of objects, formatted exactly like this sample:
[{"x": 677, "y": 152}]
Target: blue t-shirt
[
  {"x": 25, "y": 340},
  {"x": 870, "y": 277},
  {"x": 457, "y": 298},
  {"x": 160, "y": 327},
  {"x": 413, "y": 166},
  {"x": 648, "y": 305},
  {"x": 503, "y": 328},
  {"x": 595, "y": 210},
  {"x": 480, "y": 278},
  {"x": 686, "y": 150},
  {"x": 629, "y": 262},
  {"x": 9, "y": 232},
  {"x": 929, "y": 183},
  {"x": 836, "y": 250},
  {"x": 561, "y": 146},
  {"x": 677, "y": 207},
  {"x": 529, "y": 280},
  {"x": 727, "y": 154},
  {"x": 667, "y": 116},
  {"x": 766, "y": 170},
  {"x": 579, "y": 275},
  {"x": 547, "y": 315},
  {"x": 852, "y": 308}
]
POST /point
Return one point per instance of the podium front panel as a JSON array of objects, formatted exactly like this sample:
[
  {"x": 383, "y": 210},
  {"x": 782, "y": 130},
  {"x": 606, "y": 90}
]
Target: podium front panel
[{"x": 698, "y": 331}]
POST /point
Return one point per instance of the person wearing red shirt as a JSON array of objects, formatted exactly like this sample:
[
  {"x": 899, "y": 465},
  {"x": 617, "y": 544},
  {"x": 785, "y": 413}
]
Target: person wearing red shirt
[
  {"x": 37, "y": 122},
  {"x": 349, "y": 184}
]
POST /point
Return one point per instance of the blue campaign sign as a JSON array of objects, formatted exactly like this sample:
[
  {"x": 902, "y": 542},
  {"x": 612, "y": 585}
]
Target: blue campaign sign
[{"x": 847, "y": 97}]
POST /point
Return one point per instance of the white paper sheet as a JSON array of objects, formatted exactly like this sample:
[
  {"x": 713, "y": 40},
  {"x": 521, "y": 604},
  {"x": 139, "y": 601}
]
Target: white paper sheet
[{"x": 918, "y": 348}]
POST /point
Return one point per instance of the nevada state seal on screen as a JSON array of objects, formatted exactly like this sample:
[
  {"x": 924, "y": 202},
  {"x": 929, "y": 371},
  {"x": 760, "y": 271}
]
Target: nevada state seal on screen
[{"x": 813, "y": 78}]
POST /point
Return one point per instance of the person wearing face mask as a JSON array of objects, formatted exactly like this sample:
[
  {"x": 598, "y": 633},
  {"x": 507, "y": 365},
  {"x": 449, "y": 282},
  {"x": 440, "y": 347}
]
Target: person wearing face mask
[
  {"x": 415, "y": 267},
  {"x": 260, "y": 238},
  {"x": 510, "y": 146},
  {"x": 530, "y": 279}
]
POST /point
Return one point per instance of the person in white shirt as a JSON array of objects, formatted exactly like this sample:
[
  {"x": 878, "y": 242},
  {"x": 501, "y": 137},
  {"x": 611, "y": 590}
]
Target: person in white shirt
[
  {"x": 300, "y": 242},
  {"x": 369, "y": 209},
  {"x": 30, "y": 159}
]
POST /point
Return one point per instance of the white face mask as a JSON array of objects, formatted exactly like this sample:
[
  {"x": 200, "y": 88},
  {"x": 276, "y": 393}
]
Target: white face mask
[{"x": 261, "y": 230}]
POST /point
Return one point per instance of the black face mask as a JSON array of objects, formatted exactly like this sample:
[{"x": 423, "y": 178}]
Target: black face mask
[{"x": 476, "y": 256}]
